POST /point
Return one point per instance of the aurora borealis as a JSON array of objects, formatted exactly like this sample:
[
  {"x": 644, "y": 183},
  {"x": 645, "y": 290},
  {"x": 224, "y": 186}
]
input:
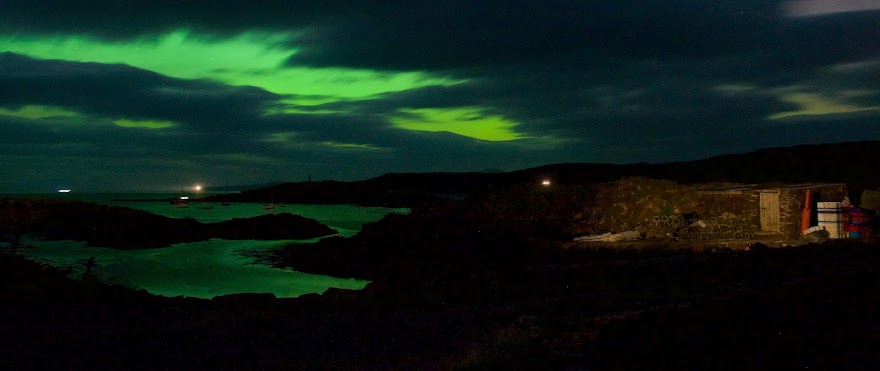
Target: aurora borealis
[{"x": 143, "y": 95}]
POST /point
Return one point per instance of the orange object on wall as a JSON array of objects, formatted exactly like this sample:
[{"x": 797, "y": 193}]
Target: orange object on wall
[{"x": 806, "y": 215}]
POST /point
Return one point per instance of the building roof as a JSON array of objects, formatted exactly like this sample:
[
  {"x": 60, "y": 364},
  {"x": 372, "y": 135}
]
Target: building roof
[{"x": 748, "y": 188}]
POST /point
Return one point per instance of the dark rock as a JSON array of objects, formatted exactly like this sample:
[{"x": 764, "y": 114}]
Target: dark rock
[
  {"x": 336, "y": 296},
  {"x": 270, "y": 227},
  {"x": 249, "y": 300},
  {"x": 757, "y": 247},
  {"x": 125, "y": 228},
  {"x": 423, "y": 246},
  {"x": 817, "y": 236}
]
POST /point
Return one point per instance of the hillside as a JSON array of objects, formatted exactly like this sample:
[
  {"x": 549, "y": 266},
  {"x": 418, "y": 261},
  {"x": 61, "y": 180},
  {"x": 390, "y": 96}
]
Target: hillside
[{"x": 852, "y": 163}]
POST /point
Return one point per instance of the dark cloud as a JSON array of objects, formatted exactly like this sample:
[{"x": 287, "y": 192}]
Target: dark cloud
[
  {"x": 456, "y": 34},
  {"x": 111, "y": 19},
  {"x": 452, "y": 35},
  {"x": 818, "y": 41},
  {"x": 644, "y": 101},
  {"x": 119, "y": 91},
  {"x": 651, "y": 111}
]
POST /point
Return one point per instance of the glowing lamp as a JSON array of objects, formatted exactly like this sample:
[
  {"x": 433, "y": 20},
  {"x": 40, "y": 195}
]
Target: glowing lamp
[
  {"x": 198, "y": 188},
  {"x": 184, "y": 197},
  {"x": 545, "y": 182}
]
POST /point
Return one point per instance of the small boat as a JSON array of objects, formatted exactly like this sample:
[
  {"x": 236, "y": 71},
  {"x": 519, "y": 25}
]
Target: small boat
[{"x": 270, "y": 207}]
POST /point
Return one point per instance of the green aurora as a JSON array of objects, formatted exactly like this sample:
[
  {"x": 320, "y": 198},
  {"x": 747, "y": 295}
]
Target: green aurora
[
  {"x": 466, "y": 121},
  {"x": 260, "y": 60}
]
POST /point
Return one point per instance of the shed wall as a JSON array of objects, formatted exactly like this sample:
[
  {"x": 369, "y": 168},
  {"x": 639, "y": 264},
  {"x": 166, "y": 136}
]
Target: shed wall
[{"x": 791, "y": 205}]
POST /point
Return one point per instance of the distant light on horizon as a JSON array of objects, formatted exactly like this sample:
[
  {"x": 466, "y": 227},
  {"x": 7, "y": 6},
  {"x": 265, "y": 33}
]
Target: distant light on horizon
[
  {"x": 545, "y": 182},
  {"x": 198, "y": 187},
  {"x": 63, "y": 191},
  {"x": 184, "y": 197}
]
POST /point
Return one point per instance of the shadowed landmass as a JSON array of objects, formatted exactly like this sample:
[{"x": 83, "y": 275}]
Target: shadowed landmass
[
  {"x": 124, "y": 228},
  {"x": 852, "y": 163}
]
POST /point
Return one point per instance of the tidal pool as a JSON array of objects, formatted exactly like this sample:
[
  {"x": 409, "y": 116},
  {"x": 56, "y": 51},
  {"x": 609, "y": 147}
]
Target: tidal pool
[
  {"x": 199, "y": 269},
  {"x": 209, "y": 268}
]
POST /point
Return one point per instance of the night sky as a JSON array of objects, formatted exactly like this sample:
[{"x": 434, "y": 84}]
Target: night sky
[{"x": 110, "y": 95}]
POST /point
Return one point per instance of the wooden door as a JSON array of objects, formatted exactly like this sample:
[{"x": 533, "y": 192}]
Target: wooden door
[{"x": 770, "y": 211}]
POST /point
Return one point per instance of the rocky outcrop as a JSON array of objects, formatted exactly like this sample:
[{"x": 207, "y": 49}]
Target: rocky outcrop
[
  {"x": 415, "y": 247},
  {"x": 125, "y": 228},
  {"x": 284, "y": 226}
]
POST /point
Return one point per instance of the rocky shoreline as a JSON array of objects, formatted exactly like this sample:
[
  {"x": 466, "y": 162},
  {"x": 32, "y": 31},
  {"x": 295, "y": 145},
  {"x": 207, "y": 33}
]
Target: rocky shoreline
[{"x": 124, "y": 228}]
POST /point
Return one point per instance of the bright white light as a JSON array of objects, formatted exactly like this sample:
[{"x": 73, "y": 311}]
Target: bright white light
[
  {"x": 63, "y": 191},
  {"x": 545, "y": 183},
  {"x": 184, "y": 197},
  {"x": 198, "y": 187}
]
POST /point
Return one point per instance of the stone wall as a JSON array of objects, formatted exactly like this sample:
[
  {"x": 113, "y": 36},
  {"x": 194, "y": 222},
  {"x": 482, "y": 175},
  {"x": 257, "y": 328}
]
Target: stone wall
[
  {"x": 791, "y": 205},
  {"x": 742, "y": 204}
]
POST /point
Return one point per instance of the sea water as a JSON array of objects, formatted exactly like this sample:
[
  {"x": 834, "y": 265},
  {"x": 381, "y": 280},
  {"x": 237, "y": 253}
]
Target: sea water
[{"x": 208, "y": 268}]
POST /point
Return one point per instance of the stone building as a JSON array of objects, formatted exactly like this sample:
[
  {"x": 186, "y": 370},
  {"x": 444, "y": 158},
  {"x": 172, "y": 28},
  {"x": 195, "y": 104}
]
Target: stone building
[
  {"x": 781, "y": 208},
  {"x": 776, "y": 210}
]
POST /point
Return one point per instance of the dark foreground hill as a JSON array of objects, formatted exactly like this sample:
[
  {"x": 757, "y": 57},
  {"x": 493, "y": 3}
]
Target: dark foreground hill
[
  {"x": 853, "y": 163},
  {"x": 801, "y": 308}
]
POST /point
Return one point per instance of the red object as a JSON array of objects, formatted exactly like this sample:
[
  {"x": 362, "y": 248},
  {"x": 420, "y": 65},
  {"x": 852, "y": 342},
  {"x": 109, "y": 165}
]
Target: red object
[
  {"x": 856, "y": 223},
  {"x": 807, "y": 214}
]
